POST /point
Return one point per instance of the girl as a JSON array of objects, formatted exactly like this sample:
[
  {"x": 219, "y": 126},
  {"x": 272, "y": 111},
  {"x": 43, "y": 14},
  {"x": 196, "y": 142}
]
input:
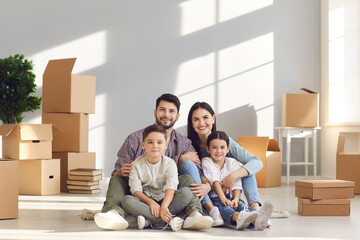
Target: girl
[{"x": 233, "y": 210}]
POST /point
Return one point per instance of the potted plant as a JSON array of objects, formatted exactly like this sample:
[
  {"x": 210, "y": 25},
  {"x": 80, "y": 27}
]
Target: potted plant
[{"x": 17, "y": 82}]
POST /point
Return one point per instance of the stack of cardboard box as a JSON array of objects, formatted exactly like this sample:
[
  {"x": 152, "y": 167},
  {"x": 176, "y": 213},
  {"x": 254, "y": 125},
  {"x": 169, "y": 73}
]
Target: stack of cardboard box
[
  {"x": 324, "y": 197},
  {"x": 67, "y": 101},
  {"x": 39, "y": 174},
  {"x": 9, "y": 188}
]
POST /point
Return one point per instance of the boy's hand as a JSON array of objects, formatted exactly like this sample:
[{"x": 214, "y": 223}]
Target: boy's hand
[
  {"x": 155, "y": 208},
  {"x": 165, "y": 214}
]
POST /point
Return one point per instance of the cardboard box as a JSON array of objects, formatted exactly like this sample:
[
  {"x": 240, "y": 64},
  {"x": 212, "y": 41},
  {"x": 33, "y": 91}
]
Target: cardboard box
[
  {"x": 347, "y": 165},
  {"x": 269, "y": 152},
  {"x": 70, "y": 130},
  {"x": 39, "y": 177},
  {"x": 324, "y": 189},
  {"x": 325, "y": 207},
  {"x": 66, "y": 92},
  {"x": 300, "y": 109},
  {"x": 9, "y": 188},
  {"x": 26, "y": 141},
  {"x": 71, "y": 160}
]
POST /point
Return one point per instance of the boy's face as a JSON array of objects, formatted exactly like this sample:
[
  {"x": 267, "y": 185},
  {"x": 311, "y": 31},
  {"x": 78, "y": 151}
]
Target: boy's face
[
  {"x": 218, "y": 150},
  {"x": 166, "y": 114},
  {"x": 154, "y": 144}
]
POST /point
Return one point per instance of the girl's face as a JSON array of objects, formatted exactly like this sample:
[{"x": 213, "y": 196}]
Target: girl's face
[
  {"x": 218, "y": 150},
  {"x": 202, "y": 121}
]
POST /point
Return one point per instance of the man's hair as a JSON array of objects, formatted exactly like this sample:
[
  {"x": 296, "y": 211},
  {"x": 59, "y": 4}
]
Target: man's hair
[
  {"x": 217, "y": 135},
  {"x": 169, "y": 98},
  {"x": 154, "y": 128}
]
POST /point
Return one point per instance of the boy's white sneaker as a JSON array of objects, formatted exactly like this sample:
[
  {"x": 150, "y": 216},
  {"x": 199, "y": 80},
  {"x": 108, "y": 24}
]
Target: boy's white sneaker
[
  {"x": 245, "y": 218},
  {"x": 110, "y": 220},
  {"x": 216, "y": 216},
  {"x": 176, "y": 223},
  {"x": 264, "y": 214},
  {"x": 142, "y": 222},
  {"x": 198, "y": 222}
]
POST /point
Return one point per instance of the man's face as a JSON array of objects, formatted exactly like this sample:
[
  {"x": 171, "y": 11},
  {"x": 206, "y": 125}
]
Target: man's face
[{"x": 166, "y": 114}]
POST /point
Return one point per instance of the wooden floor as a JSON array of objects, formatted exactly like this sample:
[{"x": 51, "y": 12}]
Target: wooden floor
[{"x": 57, "y": 217}]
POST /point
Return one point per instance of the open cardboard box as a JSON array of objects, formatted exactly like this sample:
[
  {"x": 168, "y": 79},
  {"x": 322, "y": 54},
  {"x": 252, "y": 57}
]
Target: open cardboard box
[
  {"x": 72, "y": 160},
  {"x": 26, "y": 141},
  {"x": 348, "y": 164},
  {"x": 325, "y": 207},
  {"x": 71, "y": 131},
  {"x": 9, "y": 188},
  {"x": 269, "y": 153},
  {"x": 324, "y": 189},
  {"x": 66, "y": 92},
  {"x": 39, "y": 177},
  {"x": 300, "y": 109}
]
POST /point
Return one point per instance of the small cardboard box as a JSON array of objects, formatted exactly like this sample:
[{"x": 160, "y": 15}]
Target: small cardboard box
[
  {"x": 324, "y": 189},
  {"x": 348, "y": 165},
  {"x": 66, "y": 92},
  {"x": 72, "y": 160},
  {"x": 269, "y": 152},
  {"x": 300, "y": 109},
  {"x": 39, "y": 177},
  {"x": 9, "y": 188},
  {"x": 70, "y": 130},
  {"x": 26, "y": 141},
  {"x": 325, "y": 207}
]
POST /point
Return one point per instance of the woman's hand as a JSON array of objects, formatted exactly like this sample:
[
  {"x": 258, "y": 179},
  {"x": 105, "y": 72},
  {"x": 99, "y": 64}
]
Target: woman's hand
[
  {"x": 200, "y": 190},
  {"x": 165, "y": 214},
  {"x": 227, "y": 183},
  {"x": 193, "y": 156},
  {"x": 155, "y": 208}
]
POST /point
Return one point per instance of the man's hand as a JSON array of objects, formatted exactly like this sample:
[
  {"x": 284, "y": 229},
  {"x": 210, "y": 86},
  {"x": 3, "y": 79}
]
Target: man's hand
[
  {"x": 193, "y": 156},
  {"x": 125, "y": 170},
  {"x": 227, "y": 183},
  {"x": 200, "y": 190}
]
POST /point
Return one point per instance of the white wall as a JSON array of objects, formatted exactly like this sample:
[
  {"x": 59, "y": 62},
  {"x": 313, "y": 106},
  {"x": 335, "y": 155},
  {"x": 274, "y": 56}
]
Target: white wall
[{"x": 240, "y": 56}]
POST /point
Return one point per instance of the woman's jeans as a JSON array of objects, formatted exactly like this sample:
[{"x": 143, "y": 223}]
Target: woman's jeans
[{"x": 249, "y": 183}]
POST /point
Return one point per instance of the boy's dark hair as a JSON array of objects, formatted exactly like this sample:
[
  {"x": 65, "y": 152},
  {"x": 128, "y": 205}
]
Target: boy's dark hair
[
  {"x": 217, "y": 135},
  {"x": 169, "y": 98},
  {"x": 154, "y": 128}
]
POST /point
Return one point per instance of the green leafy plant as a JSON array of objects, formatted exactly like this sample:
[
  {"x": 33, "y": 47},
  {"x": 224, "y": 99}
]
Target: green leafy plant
[{"x": 17, "y": 82}]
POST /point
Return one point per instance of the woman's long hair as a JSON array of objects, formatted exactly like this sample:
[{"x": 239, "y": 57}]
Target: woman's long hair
[{"x": 192, "y": 135}]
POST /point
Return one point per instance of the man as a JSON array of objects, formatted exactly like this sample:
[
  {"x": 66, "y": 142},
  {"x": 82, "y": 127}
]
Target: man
[{"x": 179, "y": 148}]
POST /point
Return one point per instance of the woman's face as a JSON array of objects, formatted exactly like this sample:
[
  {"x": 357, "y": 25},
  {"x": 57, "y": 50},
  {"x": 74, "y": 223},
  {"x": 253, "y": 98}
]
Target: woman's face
[{"x": 202, "y": 121}]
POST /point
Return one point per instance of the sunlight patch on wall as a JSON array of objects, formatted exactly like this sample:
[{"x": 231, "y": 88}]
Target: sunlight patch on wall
[
  {"x": 246, "y": 55},
  {"x": 90, "y": 52},
  {"x": 229, "y": 9},
  {"x": 197, "y": 15},
  {"x": 195, "y": 73}
]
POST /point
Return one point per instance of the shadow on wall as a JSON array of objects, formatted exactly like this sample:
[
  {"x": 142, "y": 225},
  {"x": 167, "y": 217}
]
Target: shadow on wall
[{"x": 240, "y": 121}]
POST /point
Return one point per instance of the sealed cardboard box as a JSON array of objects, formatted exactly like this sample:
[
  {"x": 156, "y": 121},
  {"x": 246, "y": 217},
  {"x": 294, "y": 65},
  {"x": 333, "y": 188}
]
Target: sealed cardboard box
[
  {"x": 66, "y": 92},
  {"x": 39, "y": 177},
  {"x": 325, "y": 207},
  {"x": 72, "y": 160},
  {"x": 70, "y": 130},
  {"x": 324, "y": 189},
  {"x": 348, "y": 165},
  {"x": 300, "y": 109},
  {"x": 9, "y": 188},
  {"x": 26, "y": 141},
  {"x": 269, "y": 152}
]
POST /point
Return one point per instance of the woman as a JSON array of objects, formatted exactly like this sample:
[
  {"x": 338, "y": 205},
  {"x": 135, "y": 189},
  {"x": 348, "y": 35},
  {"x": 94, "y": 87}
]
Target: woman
[{"x": 201, "y": 123}]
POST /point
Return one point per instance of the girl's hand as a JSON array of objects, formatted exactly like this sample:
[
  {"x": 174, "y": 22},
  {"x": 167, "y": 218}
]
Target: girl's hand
[
  {"x": 226, "y": 202},
  {"x": 200, "y": 190},
  {"x": 234, "y": 204},
  {"x": 155, "y": 208},
  {"x": 165, "y": 214}
]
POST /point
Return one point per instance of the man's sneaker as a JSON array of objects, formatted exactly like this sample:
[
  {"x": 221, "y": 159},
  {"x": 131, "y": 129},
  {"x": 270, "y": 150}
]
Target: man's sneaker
[
  {"x": 264, "y": 215},
  {"x": 245, "y": 218},
  {"x": 142, "y": 222},
  {"x": 110, "y": 220},
  {"x": 216, "y": 216},
  {"x": 198, "y": 222},
  {"x": 176, "y": 223}
]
